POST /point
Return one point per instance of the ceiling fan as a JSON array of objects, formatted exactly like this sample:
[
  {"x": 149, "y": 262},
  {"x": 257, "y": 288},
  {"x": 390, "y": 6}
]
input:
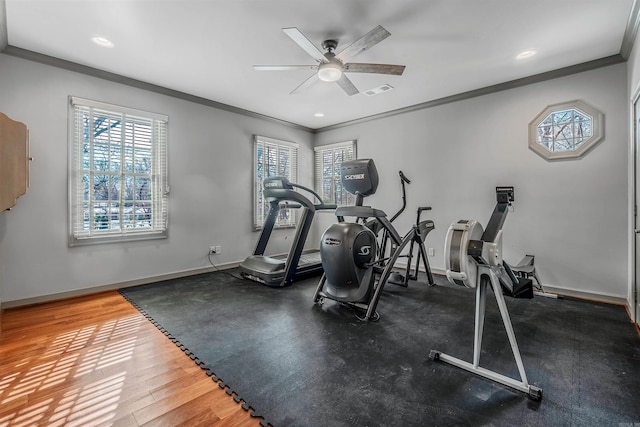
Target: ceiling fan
[{"x": 331, "y": 67}]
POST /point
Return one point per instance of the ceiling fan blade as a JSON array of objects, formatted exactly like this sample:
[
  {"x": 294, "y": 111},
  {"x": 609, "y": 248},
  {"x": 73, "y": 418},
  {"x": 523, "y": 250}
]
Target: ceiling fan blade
[
  {"x": 370, "y": 39},
  {"x": 305, "y": 84},
  {"x": 354, "y": 67},
  {"x": 305, "y": 44},
  {"x": 283, "y": 67},
  {"x": 347, "y": 85}
]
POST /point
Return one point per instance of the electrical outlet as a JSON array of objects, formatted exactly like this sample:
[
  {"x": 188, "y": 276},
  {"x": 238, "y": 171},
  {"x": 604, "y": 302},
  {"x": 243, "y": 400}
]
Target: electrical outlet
[
  {"x": 213, "y": 250},
  {"x": 218, "y": 249},
  {"x": 432, "y": 252}
]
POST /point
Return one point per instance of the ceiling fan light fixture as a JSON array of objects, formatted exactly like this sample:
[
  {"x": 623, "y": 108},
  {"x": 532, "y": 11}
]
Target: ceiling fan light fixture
[{"x": 330, "y": 72}]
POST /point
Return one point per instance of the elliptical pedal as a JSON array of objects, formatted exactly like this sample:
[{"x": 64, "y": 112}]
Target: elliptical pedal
[{"x": 399, "y": 279}]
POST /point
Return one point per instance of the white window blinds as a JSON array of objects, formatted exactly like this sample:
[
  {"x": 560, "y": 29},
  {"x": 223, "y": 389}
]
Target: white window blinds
[
  {"x": 328, "y": 159},
  {"x": 273, "y": 157},
  {"x": 118, "y": 173}
]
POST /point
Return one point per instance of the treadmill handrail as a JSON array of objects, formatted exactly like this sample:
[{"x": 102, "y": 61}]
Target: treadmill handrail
[
  {"x": 282, "y": 194},
  {"x": 286, "y": 194},
  {"x": 302, "y": 187},
  {"x": 280, "y": 188},
  {"x": 324, "y": 206}
]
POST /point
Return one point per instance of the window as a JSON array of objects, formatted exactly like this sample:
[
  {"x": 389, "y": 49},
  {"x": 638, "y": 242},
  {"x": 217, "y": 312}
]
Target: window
[
  {"x": 273, "y": 158},
  {"x": 118, "y": 184},
  {"x": 566, "y": 130},
  {"x": 328, "y": 159}
]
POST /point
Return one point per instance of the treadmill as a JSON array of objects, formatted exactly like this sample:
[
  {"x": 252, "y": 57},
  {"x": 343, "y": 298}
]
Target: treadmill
[{"x": 279, "y": 271}]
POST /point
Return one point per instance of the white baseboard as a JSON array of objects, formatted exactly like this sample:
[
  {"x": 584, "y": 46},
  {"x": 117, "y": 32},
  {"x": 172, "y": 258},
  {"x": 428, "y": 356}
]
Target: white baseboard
[
  {"x": 113, "y": 286},
  {"x": 592, "y": 296},
  {"x": 558, "y": 290}
]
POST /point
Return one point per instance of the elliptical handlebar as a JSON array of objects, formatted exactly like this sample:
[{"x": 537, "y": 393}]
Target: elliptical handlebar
[{"x": 403, "y": 180}]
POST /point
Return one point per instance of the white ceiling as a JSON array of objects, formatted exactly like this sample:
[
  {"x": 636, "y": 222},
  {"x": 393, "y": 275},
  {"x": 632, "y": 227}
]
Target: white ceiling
[{"x": 207, "y": 48}]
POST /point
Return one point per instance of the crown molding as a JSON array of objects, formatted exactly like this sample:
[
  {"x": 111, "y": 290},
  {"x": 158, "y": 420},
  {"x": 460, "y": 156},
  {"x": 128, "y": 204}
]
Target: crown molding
[
  {"x": 631, "y": 30},
  {"x": 4, "y": 39},
  {"x": 537, "y": 78},
  {"x": 117, "y": 78}
]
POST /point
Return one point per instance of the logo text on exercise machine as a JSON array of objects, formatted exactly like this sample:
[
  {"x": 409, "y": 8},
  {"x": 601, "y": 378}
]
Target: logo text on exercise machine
[{"x": 365, "y": 250}]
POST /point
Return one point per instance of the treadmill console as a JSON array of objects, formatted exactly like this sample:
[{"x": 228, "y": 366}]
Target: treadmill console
[{"x": 277, "y": 182}]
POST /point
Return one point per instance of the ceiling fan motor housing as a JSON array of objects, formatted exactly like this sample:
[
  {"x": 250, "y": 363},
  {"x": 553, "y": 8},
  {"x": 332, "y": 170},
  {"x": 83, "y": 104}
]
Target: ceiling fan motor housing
[{"x": 330, "y": 45}]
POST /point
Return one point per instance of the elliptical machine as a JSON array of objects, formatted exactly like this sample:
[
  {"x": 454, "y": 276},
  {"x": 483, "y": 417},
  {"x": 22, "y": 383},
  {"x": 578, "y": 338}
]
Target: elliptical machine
[
  {"x": 387, "y": 246},
  {"x": 355, "y": 270},
  {"x": 473, "y": 259}
]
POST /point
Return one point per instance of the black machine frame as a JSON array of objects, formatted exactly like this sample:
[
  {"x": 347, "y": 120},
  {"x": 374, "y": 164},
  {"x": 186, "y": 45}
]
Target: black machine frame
[
  {"x": 387, "y": 245},
  {"x": 383, "y": 264},
  {"x": 276, "y": 272}
]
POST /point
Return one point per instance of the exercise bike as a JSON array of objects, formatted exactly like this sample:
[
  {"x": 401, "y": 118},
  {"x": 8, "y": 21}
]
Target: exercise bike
[
  {"x": 355, "y": 270},
  {"x": 473, "y": 259}
]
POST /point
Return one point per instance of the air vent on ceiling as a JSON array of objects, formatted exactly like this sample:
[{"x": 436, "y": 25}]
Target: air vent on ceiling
[{"x": 378, "y": 90}]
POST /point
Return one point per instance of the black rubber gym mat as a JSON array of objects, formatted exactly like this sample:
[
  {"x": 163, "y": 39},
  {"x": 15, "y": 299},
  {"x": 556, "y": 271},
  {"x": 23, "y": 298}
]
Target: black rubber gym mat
[{"x": 297, "y": 364}]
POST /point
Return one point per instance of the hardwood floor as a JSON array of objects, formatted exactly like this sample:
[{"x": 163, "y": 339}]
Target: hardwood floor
[{"x": 96, "y": 361}]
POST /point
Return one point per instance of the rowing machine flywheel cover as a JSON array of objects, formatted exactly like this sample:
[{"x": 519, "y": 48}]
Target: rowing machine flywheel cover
[{"x": 461, "y": 269}]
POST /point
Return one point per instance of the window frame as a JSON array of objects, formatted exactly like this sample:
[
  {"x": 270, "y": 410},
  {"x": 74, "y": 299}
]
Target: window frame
[
  {"x": 158, "y": 177},
  {"x": 597, "y": 130},
  {"x": 257, "y": 201},
  {"x": 318, "y": 162}
]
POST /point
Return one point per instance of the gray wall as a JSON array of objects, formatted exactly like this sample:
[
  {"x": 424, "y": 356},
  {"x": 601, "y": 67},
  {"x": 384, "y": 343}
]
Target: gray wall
[
  {"x": 571, "y": 214},
  {"x": 210, "y": 158}
]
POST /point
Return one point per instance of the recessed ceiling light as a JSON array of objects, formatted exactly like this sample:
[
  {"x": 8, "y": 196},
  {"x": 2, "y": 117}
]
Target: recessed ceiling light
[
  {"x": 102, "y": 41},
  {"x": 526, "y": 54},
  {"x": 319, "y": 114}
]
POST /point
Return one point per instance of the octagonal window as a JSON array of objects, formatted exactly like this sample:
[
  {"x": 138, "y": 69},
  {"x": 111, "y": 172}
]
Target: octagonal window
[{"x": 566, "y": 130}]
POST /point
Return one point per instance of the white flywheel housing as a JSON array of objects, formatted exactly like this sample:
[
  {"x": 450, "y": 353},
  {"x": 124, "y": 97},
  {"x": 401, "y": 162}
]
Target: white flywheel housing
[{"x": 461, "y": 269}]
